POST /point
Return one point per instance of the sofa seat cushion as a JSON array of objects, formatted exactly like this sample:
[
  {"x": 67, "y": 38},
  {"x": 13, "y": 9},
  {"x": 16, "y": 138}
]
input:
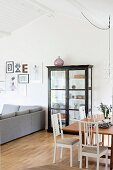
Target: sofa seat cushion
[
  {"x": 22, "y": 112},
  {"x": 9, "y": 108},
  {"x": 7, "y": 115},
  {"x": 30, "y": 108}
]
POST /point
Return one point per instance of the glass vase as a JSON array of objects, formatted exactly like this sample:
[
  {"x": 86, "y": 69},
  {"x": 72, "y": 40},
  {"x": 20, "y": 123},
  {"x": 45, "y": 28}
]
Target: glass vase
[{"x": 58, "y": 62}]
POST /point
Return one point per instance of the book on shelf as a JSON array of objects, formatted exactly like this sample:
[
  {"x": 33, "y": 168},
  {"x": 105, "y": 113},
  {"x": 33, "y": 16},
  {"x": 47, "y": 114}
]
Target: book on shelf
[{"x": 80, "y": 76}]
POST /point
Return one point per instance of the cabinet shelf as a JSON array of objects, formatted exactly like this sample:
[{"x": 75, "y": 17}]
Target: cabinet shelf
[
  {"x": 57, "y": 108},
  {"x": 77, "y": 89},
  {"x": 74, "y": 109},
  {"x": 89, "y": 88},
  {"x": 58, "y": 89},
  {"x": 76, "y": 99}
]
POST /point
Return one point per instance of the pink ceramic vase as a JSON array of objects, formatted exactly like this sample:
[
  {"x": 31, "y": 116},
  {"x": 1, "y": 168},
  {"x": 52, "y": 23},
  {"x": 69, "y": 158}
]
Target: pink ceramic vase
[{"x": 58, "y": 62}]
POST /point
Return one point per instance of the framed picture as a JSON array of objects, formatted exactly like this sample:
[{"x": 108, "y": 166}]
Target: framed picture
[
  {"x": 36, "y": 72},
  {"x": 23, "y": 78},
  {"x": 9, "y": 66},
  {"x": 11, "y": 82}
]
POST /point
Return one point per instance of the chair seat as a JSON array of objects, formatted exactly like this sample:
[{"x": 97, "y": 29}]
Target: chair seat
[
  {"x": 94, "y": 149},
  {"x": 68, "y": 141}
]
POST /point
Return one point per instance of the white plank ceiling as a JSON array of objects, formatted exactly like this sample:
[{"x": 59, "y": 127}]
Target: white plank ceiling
[{"x": 16, "y": 13}]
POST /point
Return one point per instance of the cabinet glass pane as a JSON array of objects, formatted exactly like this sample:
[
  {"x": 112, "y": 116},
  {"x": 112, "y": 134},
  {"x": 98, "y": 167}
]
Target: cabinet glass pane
[
  {"x": 77, "y": 79},
  {"x": 89, "y": 81},
  {"x": 63, "y": 115},
  {"x": 76, "y": 99},
  {"x": 89, "y": 104},
  {"x": 73, "y": 115},
  {"x": 58, "y": 80},
  {"x": 58, "y": 99}
]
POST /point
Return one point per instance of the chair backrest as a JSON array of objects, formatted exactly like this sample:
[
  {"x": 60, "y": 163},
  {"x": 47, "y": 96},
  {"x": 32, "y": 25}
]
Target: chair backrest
[
  {"x": 98, "y": 117},
  {"x": 57, "y": 125},
  {"x": 88, "y": 129}
]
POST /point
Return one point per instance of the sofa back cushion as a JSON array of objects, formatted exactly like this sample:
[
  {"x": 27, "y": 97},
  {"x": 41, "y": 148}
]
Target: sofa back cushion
[
  {"x": 7, "y": 115},
  {"x": 9, "y": 108},
  {"x": 22, "y": 112},
  {"x": 30, "y": 108}
]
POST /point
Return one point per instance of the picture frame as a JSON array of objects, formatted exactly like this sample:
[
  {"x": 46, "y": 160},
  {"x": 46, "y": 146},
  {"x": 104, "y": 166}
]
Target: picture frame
[
  {"x": 9, "y": 66},
  {"x": 11, "y": 82},
  {"x": 36, "y": 72},
  {"x": 23, "y": 78}
]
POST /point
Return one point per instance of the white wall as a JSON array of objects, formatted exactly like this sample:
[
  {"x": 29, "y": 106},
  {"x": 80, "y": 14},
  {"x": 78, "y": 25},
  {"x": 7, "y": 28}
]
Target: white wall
[{"x": 48, "y": 37}]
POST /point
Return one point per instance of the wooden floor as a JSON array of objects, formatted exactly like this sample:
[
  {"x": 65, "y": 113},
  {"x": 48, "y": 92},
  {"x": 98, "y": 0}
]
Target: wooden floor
[{"x": 37, "y": 150}]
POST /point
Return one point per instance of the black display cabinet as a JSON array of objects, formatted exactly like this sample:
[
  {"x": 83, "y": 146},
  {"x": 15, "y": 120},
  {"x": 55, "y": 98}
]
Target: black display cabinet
[{"x": 69, "y": 91}]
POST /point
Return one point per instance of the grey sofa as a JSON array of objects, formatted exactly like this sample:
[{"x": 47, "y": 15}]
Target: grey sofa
[{"x": 17, "y": 121}]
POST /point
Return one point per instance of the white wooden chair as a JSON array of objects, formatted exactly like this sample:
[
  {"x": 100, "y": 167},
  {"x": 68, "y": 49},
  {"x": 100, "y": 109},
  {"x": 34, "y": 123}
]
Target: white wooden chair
[
  {"x": 62, "y": 142},
  {"x": 87, "y": 148},
  {"x": 104, "y": 140},
  {"x": 101, "y": 137}
]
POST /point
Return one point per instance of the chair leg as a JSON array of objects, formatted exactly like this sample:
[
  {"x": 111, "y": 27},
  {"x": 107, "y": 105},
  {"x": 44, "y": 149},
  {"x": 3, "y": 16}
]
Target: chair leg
[
  {"x": 79, "y": 152},
  {"x": 97, "y": 163},
  {"x": 86, "y": 162},
  {"x": 61, "y": 152},
  {"x": 102, "y": 140},
  {"x": 80, "y": 161},
  {"x": 107, "y": 160},
  {"x": 108, "y": 139},
  {"x": 71, "y": 155},
  {"x": 54, "y": 157}
]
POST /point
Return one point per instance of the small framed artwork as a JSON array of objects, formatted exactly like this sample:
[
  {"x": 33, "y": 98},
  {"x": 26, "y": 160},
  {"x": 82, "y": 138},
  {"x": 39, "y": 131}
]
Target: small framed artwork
[
  {"x": 9, "y": 66},
  {"x": 11, "y": 82},
  {"x": 23, "y": 78},
  {"x": 36, "y": 72}
]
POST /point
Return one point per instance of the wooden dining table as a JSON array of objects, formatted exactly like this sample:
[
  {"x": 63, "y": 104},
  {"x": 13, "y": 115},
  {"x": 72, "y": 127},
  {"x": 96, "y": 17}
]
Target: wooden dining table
[{"x": 74, "y": 128}]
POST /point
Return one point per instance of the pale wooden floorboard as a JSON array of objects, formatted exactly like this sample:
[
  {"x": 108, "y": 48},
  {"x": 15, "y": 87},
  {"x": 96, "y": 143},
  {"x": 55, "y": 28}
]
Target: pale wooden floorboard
[{"x": 36, "y": 150}]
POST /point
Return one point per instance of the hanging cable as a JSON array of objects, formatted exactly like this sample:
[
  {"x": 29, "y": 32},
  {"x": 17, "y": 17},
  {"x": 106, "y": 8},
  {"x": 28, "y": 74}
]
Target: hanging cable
[
  {"x": 109, "y": 64},
  {"x": 109, "y": 49},
  {"x": 93, "y": 24}
]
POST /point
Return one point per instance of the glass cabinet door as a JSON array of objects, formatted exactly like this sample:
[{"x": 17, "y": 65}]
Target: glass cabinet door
[
  {"x": 76, "y": 95},
  {"x": 58, "y": 94}
]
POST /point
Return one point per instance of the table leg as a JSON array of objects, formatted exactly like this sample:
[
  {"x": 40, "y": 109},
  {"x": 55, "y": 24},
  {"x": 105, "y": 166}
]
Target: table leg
[
  {"x": 83, "y": 137},
  {"x": 111, "y": 159}
]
